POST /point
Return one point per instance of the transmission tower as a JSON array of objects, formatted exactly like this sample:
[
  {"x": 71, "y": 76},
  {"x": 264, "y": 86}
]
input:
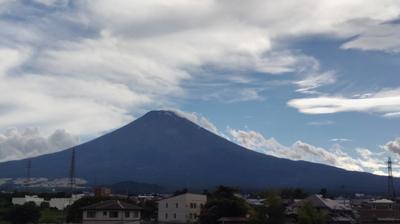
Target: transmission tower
[
  {"x": 391, "y": 192},
  {"x": 72, "y": 172}
]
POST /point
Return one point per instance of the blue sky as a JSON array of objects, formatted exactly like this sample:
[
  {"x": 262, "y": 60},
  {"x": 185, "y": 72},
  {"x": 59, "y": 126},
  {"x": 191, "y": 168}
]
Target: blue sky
[{"x": 303, "y": 80}]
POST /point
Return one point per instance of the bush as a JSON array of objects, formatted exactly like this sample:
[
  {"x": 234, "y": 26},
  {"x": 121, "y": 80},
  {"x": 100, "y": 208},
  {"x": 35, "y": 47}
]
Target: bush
[{"x": 22, "y": 214}]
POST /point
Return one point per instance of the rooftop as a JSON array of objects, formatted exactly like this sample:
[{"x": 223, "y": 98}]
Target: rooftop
[
  {"x": 112, "y": 205},
  {"x": 320, "y": 202}
]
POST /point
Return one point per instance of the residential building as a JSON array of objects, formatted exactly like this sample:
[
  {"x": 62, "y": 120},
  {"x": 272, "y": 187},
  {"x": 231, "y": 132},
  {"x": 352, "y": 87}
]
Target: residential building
[
  {"x": 379, "y": 211},
  {"x": 62, "y": 203},
  {"x": 111, "y": 212},
  {"x": 183, "y": 208},
  {"x": 34, "y": 198},
  {"x": 336, "y": 211}
]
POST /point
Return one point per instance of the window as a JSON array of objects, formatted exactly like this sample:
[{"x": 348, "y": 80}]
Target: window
[
  {"x": 190, "y": 216},
  {"x": 166, "y": 215},
  {"x": 135, "y": 214},
  {"x": 166, "y": 205},
  {"x": 113, "y": 214},
  {"x": 174, "y": 215},
  {"x": 193, "y": 205},
  {"x": 91, "y": 214},
  {"x": 104, "y": 213},
  {"x": 176, "y": 205},
  {"x": 127, "y": 214}
]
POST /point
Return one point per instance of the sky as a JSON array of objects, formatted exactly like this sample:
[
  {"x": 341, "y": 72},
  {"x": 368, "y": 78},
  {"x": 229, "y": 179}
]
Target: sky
[{"x": 297, "y": 79}]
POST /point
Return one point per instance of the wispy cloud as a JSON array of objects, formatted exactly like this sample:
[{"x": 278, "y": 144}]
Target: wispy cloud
[
  {"x": 385, "y": 102},
  {"x": 340, "y": 140},
  {"x": 363, "y": 160},
  {"x": 376, "y": 36},
  {"x": 312, "y": 82},
  {"x": 298, "y": 151}
]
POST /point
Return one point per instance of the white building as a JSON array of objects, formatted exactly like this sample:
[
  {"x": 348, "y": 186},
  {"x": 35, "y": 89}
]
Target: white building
[
  {"x": 111, "y": 212},
  {"x": 62, "y": 203},
  {"x": 184, "y": 208},
  {"x": 34, "y": 198}
]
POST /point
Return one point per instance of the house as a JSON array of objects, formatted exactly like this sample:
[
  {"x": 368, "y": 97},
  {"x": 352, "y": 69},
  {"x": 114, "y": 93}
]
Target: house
[
  {"x": 183, "y": 208},
  {"x": 336, "y": 211},
  {"x": 62, "y": 203},
  {"x": 379, "y": 211},
  {"x": 233, "y": 220},
  {"x": 111, "y": 212},
  {"x": 34, "y": 198}
]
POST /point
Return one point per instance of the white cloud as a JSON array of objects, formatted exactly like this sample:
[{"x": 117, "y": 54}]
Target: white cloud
[
  {"x": 365, "y": 160},
  {"x": 199, "y": 120},
  {"x": 393, "y": 146},
  {"x": 372, "y": 161},
  {"x": 53, "y": 2},
  {"x": 15, "y": 144},
  {"x": 385, "y": 102},
  {"x": 91, "y": 66},
  {"x": 11, "y": 58},
  {"x": 312, "y": 82},
  {"x": 378, "y": 37}
]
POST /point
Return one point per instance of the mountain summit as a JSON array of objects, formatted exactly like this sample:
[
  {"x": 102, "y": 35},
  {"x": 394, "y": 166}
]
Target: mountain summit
[{"x": 164, "y": 148}]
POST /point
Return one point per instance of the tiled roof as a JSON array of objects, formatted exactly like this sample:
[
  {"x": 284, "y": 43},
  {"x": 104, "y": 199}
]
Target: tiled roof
[
  {"x": 112, "y": 205},
  {"x": 383, "y": 201},
  {"x": 180, "y": 195},
  {"x": 320, "y": 202}
]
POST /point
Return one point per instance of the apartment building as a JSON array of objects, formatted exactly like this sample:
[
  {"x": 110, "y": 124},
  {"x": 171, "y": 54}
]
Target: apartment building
[{"x": 183, "y": 208}]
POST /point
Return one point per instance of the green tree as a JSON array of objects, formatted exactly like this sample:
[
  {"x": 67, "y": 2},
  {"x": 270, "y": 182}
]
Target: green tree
[
  {"x": 44, "y": 205},
  {"x": 223, "y": 203},
  {"x": 260, "y": 215},
  {"x": 275, "y": 210},
  {"x": 149, "y": 211},
  {"x": 22, "y": 214},
  {"x": 307, "y": 214}
]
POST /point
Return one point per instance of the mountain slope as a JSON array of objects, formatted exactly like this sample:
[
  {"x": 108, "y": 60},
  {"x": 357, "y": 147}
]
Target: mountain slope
[{"x": 165, "y": 149}]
